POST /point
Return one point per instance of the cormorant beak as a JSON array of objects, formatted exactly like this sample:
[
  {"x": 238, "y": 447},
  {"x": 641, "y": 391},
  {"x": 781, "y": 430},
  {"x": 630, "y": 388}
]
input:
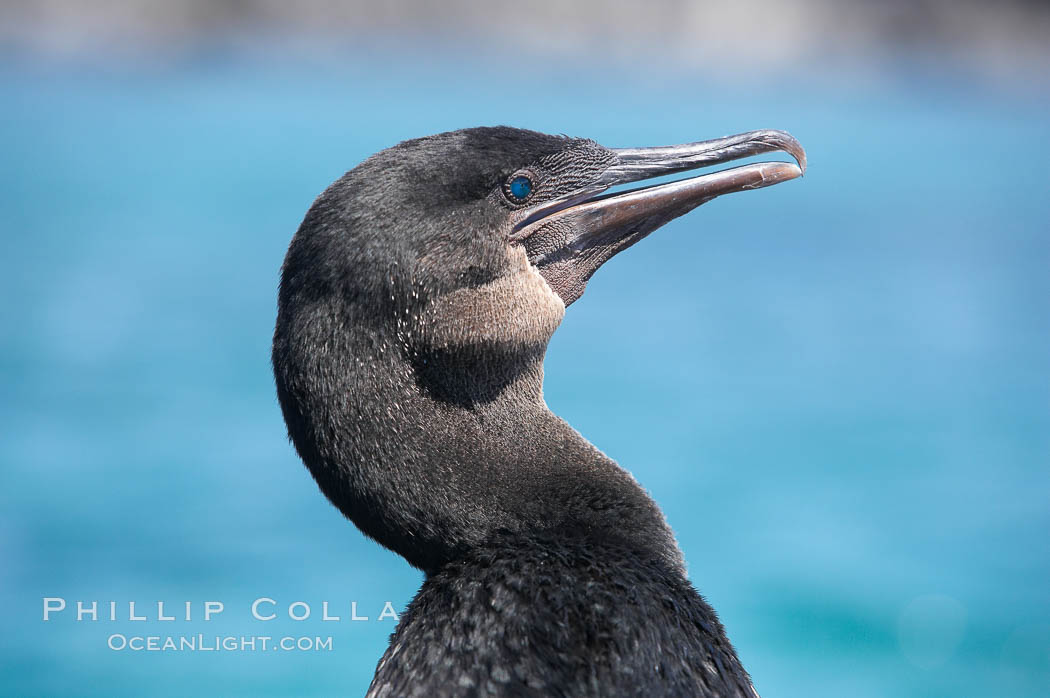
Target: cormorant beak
[{"x": 569, "y": 238}]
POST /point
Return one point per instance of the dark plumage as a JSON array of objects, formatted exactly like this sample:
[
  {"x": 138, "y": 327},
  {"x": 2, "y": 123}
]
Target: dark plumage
[
  {"x": 416, "y": 303},
  {"x": 559, "y": 615}
]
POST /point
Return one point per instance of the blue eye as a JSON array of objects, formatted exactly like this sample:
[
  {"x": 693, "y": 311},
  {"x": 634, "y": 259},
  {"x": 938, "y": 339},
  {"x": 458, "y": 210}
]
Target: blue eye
[{"x": 520, "y": 187}]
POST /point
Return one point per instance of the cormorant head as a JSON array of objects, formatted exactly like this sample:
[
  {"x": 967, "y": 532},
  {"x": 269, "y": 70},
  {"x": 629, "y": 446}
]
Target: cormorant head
[
  {"x": 463, "y": 236},
  {"x": 416, "y": 303}
]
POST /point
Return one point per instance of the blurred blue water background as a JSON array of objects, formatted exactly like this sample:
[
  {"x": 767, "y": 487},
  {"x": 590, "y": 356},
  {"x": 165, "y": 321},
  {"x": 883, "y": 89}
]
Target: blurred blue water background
[{"x": 837, "y": 388}]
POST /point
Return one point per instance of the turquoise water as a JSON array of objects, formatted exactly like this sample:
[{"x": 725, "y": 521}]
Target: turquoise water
[{"x": 836, "y": 388}]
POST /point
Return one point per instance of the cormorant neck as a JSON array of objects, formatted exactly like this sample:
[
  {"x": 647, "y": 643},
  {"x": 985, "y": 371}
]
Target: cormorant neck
[{"x": 433, "y": 452}]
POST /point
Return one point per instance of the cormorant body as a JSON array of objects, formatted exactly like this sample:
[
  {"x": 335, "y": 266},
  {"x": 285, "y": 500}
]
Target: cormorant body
[{"x": 416, "y": 303}]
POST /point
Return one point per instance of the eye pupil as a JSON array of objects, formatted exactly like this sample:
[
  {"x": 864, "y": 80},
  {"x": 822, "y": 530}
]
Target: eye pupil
[{"x": 520, "y": 187}]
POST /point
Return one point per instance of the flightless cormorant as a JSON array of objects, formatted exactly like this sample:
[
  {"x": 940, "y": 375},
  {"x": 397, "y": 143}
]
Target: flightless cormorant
[{"x": 416, "y": 303}]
